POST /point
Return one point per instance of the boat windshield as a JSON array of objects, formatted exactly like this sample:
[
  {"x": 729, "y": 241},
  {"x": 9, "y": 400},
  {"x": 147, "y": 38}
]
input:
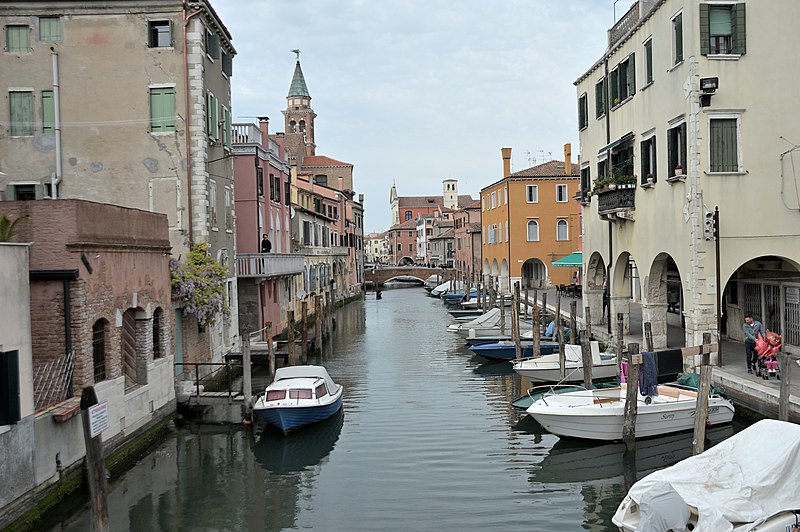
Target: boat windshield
[
  {"x": 321, "y": 390},
  {"x": 276, "y": 395},
  {"x": 300, "y": 393}
]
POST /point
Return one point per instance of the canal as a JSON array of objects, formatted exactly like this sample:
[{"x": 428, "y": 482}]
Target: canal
[{"x": 427, "y": 440}]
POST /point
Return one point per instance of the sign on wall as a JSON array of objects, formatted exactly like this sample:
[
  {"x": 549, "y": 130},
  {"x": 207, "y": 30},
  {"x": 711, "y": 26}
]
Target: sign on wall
[{"x": 98, "y": 419}]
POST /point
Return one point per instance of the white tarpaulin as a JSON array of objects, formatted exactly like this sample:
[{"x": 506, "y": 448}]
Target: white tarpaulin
[{"x": 749, "y": 476}]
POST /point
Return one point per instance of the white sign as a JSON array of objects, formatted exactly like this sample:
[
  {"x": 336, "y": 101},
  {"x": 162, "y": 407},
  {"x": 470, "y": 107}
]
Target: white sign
[
  {"x": 792, "y": 296},
  {"x": 98, "y": 419}
]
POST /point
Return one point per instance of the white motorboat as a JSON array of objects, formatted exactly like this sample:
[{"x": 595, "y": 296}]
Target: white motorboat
[
  {"x": 600, "y": 414},
  {"x": 747, "y": 482},
  {"x": 299, "y": 396},
  {"x": 546, "y": 368}
]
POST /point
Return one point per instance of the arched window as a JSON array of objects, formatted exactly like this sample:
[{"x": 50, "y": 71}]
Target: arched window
[
  {"x": 292, "y": 127},
  {"x": 303, "y": 127},
  {"x": 99, "y": 349},
  {"x": 533, "y": 231},
  {"x": 562, "y": 230},
  {"x": 158, "y": 352}
]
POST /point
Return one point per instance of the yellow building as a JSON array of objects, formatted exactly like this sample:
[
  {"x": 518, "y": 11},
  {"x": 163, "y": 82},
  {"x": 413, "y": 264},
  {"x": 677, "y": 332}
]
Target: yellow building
[{"x": 529, "y": 219}]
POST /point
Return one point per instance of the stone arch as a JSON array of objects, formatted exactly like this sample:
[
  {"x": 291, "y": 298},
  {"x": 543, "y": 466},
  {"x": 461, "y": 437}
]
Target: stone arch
[
  {"x": 505, "y": 282},
  {"x": 292, "y": 126},
  {"x": 662, "y": 293},
  {"x": 534, "y": 273},
  {"x": 625, "y": 287},
  {"x": 594, "y": 284}
]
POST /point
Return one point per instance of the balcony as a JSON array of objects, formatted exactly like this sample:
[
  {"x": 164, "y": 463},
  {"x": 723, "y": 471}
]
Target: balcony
[
  {"x": 323, "y": 251},
  {"x": 618, "y": 203},
  {"x": 245, "y": 134},
  {"x": 264, "y": 265},
  {"x": 629, "y": 20}
]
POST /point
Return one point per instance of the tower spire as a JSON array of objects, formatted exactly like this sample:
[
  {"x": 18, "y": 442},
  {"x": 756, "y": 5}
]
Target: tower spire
[{"x": 298, "y": 86}]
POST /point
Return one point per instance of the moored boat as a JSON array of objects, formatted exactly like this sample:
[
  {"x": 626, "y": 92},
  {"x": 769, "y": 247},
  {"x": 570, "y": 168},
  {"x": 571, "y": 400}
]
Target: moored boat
[
  {"x": 547, "y": 368},
  {"x": 506, "y": 350},
  {"x": 299, "y": 396}
]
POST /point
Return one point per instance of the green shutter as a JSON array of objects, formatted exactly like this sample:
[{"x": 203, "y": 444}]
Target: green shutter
[
  {"x": 49, "y": 29},
  {"x": 9, "y": 388},
  {"x": 599, "y": 99},
  {"x": 678, "y": 29},
  {"x": 682, "y": 147},
  {"x": 632, "y": 75},
  {"x": 705, "y": 35},
  {"x": 739, "y": 30},
  {"x": 648, "y": 61},
  {"x": 209, "y": 117},
  {"x": 162, "y": 109},
  {"x": 613, "y": 77},
  {"x": 724, "y": 150},
  {"x": 48, "y": 112},
  {"x": 21, "y": 113},
  {"x": 17, "y": 39},
  {"x": 654, "y": 145}
]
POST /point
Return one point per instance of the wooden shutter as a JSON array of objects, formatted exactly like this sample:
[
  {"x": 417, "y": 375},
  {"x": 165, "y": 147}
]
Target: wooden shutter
[
  {"x": 21, "y": 111},
  {"x": 653, "y": 145},
  {"x": 704, "y": 29},
  {"x": 739, "y": 29},
  {"x": 48, "y": 112},
  {"x": 678, "y": 29},
  {"x": 631, "y": 75},
  {"x": 9, "y": 388}
]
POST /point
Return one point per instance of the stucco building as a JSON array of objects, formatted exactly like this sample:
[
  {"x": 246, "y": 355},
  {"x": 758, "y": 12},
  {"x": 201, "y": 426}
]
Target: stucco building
[
  {"x": 687, "y": 109},
  {"x": 467, "y": 241}
]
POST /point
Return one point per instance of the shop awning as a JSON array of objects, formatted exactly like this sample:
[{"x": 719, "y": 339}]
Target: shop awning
[
  {"x": 573, "y": 260},
  {"x": 624, "y": 138}
]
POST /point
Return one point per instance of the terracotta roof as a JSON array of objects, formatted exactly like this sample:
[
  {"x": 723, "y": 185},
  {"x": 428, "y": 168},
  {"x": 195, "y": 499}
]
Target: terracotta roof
[
  {"x": 409, "y": 224},
  {"x": 473, "y": 205},
  {"x": 474, "y": 227},
  {"x": 447, "y": 233},
  {"x": 430, "y": 201},
  {"x": 322, "y": 160},
  {"x": 548, "y": 169},
  {"x": 441, "y": 222}
]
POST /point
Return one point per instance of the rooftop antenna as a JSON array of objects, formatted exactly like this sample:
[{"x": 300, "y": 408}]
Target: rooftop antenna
[
  {"x": 531, "y": 158},
  {"x": 296, "y": 52}
]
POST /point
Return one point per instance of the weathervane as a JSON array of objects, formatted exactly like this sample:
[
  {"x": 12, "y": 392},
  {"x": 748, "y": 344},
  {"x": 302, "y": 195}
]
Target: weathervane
[{"x": 296, "y": 51}]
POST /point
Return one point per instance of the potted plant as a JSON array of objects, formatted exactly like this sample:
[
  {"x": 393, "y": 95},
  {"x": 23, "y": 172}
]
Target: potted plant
[
  {"x": 678, "y": 170},
  {"x": 650, "y": 179}
]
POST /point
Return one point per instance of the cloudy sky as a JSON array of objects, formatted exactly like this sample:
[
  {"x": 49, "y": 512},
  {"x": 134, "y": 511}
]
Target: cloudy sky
[{"x": 413, "y": 91}]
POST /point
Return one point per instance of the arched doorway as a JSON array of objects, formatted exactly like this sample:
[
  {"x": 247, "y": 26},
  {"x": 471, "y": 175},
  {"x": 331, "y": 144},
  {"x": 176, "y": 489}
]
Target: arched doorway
[
  {"x": 594, "y": 289},
  {"x": 625, "y": 288},
  {"x": 505, "y": 282},
  {"x": 534, "y": 274},
  {"x": 663, "y": 303}
]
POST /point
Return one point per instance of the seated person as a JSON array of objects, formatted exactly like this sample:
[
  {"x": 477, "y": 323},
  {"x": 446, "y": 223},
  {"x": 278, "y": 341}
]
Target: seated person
[{"x": 551, "y": 329}]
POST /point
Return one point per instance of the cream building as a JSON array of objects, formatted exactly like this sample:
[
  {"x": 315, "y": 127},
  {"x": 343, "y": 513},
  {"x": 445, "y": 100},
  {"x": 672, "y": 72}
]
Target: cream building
[{"x": 694, "y": 100}]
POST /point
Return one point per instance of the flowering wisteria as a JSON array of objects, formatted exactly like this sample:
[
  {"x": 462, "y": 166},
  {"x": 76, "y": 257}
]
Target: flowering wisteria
[{"x": 200, "y": 285}]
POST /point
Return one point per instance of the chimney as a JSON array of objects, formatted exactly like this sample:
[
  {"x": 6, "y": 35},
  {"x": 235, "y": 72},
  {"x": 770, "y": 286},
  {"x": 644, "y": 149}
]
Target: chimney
[
  {"x": 506, "y": 161},
  {"x": 568, "y": 158},
  {"x": 263, "y": 126}
]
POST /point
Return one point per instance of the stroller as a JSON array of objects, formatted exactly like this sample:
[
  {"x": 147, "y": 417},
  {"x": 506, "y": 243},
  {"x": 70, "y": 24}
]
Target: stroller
[{"x": 767, "y": 350}]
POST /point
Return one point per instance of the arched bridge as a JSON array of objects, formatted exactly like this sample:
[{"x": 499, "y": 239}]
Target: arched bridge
[{"x": 388, "y": 273}]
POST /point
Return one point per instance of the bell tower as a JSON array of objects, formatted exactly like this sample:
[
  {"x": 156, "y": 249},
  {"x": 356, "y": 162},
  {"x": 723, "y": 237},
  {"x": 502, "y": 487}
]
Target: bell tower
[{"x": 299, "y": 117}]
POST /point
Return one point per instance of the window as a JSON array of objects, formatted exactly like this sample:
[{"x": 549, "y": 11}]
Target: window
[
  {"x": 561, "y": 193},
  {"x": 260, "y": 181},
  {"x": 18, "y": 39},
  {"x": 483, "y": 204},
  {"x": 622, "y": 162},
  {"x": 499, "y": 235},
  {"x": 533, "y": 231},
  {"x": 583, "y": 111},
  {"x": 162, "y": 110},
  {"x": 507, "y": 240},
  {"x": 212, "y": 203},
  {"x": 677, "y": 39},
  {"x": 399, "y": 248},
  {"x": 411, "y": 233},
  {"x": 722, "y": 29},
  {"x": 602, "y": 168},
  {"x": 321, "y": 390},
  {"x": 494, "y": 200},
  {"x": 676, "y": 150},
  {"x": 532, "y": 193},
  {"x": 226, "y": 127},
  {"x": 9, "y": 391},
  {"x": 505, "y": 196},
  {"x": 211, "y": 116},
  {"x": 99, "y": 350},
  {"x": 321, "y": 179},
  {"x": 562, "y": 230},
  {"x": 613, "y": 80},
  {"x": 648, "y": 156},
  {"x": 600, "y": 98},
  {"x": 276, "y": 395},
  {"x": 300, "y": 393},
  {"x": 228, "y": 210},
  {"x": 408, "y": 215},
  {"x": 227, "y": 64},
  {"x": 21, "y": 113},
  {"x": 623, "y": 80},
  {"x": 49, "y": 29},
  {"x": 586, "y": 179},
  {"x": 723, "y": 149},
  {"x": 648, "y": 61},
  {"x": 159, "y": 33},
  {"x": 411, "y": 248},
  {"x": 212, "y": 45},
  {"x": 48, "y": 112}
]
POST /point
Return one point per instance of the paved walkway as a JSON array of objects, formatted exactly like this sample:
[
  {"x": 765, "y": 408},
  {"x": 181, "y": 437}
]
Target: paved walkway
[{"x": 746, "y": 389}]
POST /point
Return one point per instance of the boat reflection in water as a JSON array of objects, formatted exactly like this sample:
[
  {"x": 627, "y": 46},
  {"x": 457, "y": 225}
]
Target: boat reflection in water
[
  {"x": 579, "y": 461},
  {"x": 301, "y": 449}
]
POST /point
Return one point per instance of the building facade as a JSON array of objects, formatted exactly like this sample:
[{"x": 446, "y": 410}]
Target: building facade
[
  {"x": 675, "y": 112},
  {"x": 378, "y": 248},
  {"x": 467, "y": 241}
]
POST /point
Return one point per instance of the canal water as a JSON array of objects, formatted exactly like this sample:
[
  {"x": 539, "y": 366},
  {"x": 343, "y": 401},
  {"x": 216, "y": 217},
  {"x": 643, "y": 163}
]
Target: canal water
[{"x": 427, "y": 440}]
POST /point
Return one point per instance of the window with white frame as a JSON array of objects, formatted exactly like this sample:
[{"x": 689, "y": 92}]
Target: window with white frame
[
  {"x": 648, "y": 157},
  {"x": 561, "y": 193},
  {"x": 507, "y": 240},
  {"x": 500, "y": 233},
  {"x": 677, "y": 39},
  {"x": 506, "y": 195},
  {"x": 722, "y": 29},
  {"x": 676, "y": 150},
  {"x": 648, "y": 61},
  {"x": 532, "y": 193},
  {"x": 494, "y": 200},
  {"x": 562, "y": 230},
  {"x": 533, "y": 231},
  {"x": 723, "y": 153}
]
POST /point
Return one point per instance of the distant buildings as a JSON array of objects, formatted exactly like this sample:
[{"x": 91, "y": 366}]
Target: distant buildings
[{"x": 378, "y": 248}]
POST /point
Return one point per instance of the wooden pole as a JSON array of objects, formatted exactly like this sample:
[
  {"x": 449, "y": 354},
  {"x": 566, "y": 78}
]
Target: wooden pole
[
  {"x": 648, "y": 335},
  {"x": 785, "y": 368},
  {"x": 562, "y": 361},
  {"x": 480, "y": 295},
  {"x": 270, "y": 349},
  {"x": 515, "y": 323},
  {"x": 502, "y": 316},
  {"x": 620, "y": 339},
  {"x": 544, "y": 303},
  {"x": 526, "y": 302},
  {"x": 95, "y": 464},
  {"x": 290, "y": 337},
  {"x": 631, "y": 397},
  {"x": 586, "y": 356},
  {"x": 701, "y": 411},
  {"x": 318, "y": 323},
  {"x": 537, "y": 346},
  {"x": 304, "y": 331},
  {"x": 573, "y": 322},
  {"x": 247, "y": 382},
  {"x": 588, "y": 321}
]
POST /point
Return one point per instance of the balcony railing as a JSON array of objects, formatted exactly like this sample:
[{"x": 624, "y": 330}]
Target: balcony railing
[
  {"x": 628, "y": 21},
  {"x": 322, "y": 251},
  {"x": 619, "y": 203},
  {"x": 245, "y": 134},
  {"x": 268, "y": 264}
]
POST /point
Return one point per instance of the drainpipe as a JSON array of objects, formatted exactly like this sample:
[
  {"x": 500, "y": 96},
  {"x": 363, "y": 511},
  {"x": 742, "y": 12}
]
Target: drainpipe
[
  {"x": 57, "y": 124},
  {"x": 186, "y": 17}
]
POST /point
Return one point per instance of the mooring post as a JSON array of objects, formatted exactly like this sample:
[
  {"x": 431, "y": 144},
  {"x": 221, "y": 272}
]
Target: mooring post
[
  {"x": 526, "y": 303},
  {"x": 537, "y": 333},
  {"x": 270, "y": 349},
  {"x": 95, "y": 463},
  {"x": 562, "y": 356},
  {"x": 290, "y": 338},
  {"x": 701, "y": 411},
  {"x": 515, "y": 323},
  {"x": 502, "y": 315},
  {"x": 304, "y": 331},
  {"x": 631, "y": 396},
  {"x": 247, "y": 382},
  {"x": 573, "y": 322},
  {"x": 586, "y": 357},
  {"x": 785, "y": 368},
  {"x": 318, "y": 323},
  {"x": 587, "y": 318},
  {"x": 544, "y": 303},
  {"x": 620, "y": 338},
  {"x": 330, "y": 305},
  {"x": 648, "y": 336}
]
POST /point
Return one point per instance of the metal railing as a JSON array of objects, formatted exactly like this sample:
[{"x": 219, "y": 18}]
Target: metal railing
[
  {"x": 614, "y": 200},
  {"x": 52, "y": 381},
  {"x": 211, "y": 376}
]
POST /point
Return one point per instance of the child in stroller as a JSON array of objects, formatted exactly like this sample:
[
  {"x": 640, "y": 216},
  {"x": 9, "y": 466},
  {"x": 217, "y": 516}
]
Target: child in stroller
[{"x": 767, "y": 350}]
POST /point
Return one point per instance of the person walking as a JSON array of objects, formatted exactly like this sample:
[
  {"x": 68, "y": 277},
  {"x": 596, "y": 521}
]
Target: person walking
[{"x": 751, "y": 329}]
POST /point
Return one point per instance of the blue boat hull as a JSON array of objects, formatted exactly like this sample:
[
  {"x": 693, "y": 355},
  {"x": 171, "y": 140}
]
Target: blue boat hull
[
  {"x": 508, "y": 352},
  {"x": 288, "y": 419}
]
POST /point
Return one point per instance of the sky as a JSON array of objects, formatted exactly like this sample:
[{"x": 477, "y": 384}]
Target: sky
[{"x": 413, "y": 92}]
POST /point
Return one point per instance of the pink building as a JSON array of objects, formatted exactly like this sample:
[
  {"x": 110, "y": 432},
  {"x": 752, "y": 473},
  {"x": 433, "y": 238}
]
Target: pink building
[
  {"x": 467, "y": 236},
  {"x": 262, "y": 187}
]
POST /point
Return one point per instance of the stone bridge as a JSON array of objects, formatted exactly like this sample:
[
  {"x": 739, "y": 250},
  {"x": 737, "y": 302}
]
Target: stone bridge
[{"x": 388, "y": 273}]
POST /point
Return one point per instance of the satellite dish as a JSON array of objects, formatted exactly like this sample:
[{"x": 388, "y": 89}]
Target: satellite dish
[{"x": 301, "y": 294}]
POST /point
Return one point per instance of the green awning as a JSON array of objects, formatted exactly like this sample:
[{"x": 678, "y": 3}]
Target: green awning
[{"x": 573, "y": 260}]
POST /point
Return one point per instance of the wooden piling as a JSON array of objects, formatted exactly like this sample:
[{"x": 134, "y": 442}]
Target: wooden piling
[
  {"x": 247, "y": 381},
  {"x": 785, "y": 368},
  {"x": 515, "y": 323},
  {"x": 587, "y": 318},
  {"x": 619, "y": 338},
  {"x": 701, "y": 411},
  {"x": 562, "y": 360},
  {"x": 573, "y": 322},
  {"x": 648, "y": 336},
  {"x": 631, "y": 404},
  {"x": 544, "y": 303},
  {"x": 290, "y": 337},
  {"x": 537, "y": 332},
  {"x": 586, "y": 357},
  {"x": 526, "y": 303},
  {"x": 95, "y": 464},
  {"x": 304, "y": 332},
  {"x": 502, "y": 316},
  {"x": 270, "y": 348},
  {"x": 329, "y": 307},
  {"x": 318, "y": 323}
]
